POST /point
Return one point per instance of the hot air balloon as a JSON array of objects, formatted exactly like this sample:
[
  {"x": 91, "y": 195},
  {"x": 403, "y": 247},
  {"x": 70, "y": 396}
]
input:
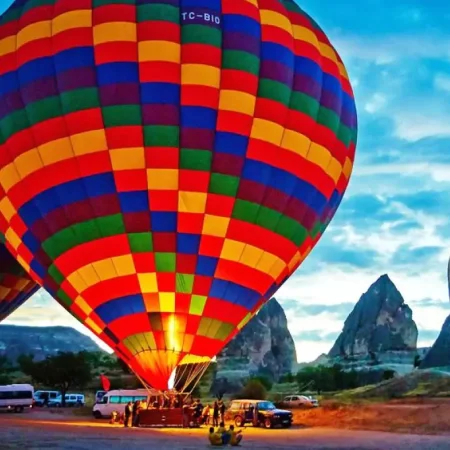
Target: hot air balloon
[
  {"x": 166, "y": 165},
  {"x": 16, "y": 287}
]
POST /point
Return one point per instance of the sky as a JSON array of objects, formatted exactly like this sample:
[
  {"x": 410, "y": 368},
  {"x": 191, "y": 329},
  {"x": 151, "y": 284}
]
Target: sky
[{"x": 395, "y": 217}]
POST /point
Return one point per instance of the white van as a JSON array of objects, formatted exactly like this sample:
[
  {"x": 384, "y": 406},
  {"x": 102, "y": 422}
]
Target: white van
[
  {"x": 42, "y": 398},
  {"x": 70, "y": 400},
  {"x": 16, "y": 397},
  {"x": 116, "y": 400},
  {"x": 99, "y": 395}
]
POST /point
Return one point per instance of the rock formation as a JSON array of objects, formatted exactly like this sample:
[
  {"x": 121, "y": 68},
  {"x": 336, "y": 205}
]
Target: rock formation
[
  {"x": 42, "y": 341},
  {"x": 263, "y": 347},
  {"x": 439, "y": 354},
  {"x": 380, "y": 322}
]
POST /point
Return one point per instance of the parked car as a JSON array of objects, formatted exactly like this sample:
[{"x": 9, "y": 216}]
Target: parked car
[
  {"x": 269, "y": 416},
  {"x": 301, "y": 401},
  {"x": 42, "y": 398},
  {"x": 71, "y": 400}
]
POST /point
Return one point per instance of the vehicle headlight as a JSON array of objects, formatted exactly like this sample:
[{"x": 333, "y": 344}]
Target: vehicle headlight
[{"x": 276, "y": 416}]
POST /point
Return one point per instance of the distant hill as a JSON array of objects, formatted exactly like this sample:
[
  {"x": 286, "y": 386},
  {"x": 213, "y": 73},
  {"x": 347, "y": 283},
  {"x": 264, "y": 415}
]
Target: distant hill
[{"x": 42, "y": 341}]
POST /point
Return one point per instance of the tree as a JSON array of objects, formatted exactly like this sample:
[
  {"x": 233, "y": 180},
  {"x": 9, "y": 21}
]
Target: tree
[
  {"x": 417, "y": 361},
  {"x": 373, "y": 359},
  {"x": 287, "y": 378},
  {"x": 124, "y": 366},
  {"x": 102, "y": 362},
  {"x": 253, "y": 390},
  {"x": 351, "y": 379},
  {"x": 25, "y": 363},
  {"x": 188, "y": 378},
  {"x": 220, "y": 387},
  {"x": 64, "y": 371},
  {"x": 265, "y": 381},
  {"x": 328, "y": 378},
  {"x": 5, "y": 370},
  {"x": 388, "y": 374}
]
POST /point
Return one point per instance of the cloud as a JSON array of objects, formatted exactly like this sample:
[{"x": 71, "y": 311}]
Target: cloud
[
  {"x": 442, "y": 82},
  {"x": 428, "y": 337},
  {"x": 375, "y": 103},
  {"x": 429, "y": 202},
  {"x": 392, "y": 48},
  {"x": 316, "y": 335},
  {"x": 413, "y": 126},
  {"x": 438, "y": 172},
  {"x": 429, "y": 320},
  {"x": 430, "y": 302},
  {"x": 405, "y": 254},
  {"x": 346, "y": 257},
  {"x": 378, "y": 240},
  {"x": 339, "y": 311}
]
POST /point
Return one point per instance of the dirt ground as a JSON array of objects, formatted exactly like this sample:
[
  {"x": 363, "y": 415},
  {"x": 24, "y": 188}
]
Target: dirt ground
[
  {"x": 421, "y": 416},
  {"x": 32, "y": 434},
  {"x": 331, "y": 427}
]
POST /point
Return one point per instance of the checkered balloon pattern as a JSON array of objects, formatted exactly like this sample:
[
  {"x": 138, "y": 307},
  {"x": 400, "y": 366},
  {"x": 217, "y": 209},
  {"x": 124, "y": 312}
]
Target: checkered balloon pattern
[
  {"x": 166, "y": 165},
  {"x": 16, "y": 287}
]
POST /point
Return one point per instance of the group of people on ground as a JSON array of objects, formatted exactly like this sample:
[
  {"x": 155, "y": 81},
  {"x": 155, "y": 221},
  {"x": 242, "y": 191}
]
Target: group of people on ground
[
  {"x": 205, "y": 415},
  {"x": 130, "y": 417},
  {"x": 224, "y": 437},
  {"x": 194, "y": 412},
  {"x": 132, "y": 410}
]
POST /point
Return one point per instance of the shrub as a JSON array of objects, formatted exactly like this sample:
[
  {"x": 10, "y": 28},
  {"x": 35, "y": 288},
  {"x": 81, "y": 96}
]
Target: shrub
[
  {"x": 288, "y": 378},
  {"x": 265, "y": 381},
  {"x": 388, "y": 374},
  {"x": 253, "y": 390}
]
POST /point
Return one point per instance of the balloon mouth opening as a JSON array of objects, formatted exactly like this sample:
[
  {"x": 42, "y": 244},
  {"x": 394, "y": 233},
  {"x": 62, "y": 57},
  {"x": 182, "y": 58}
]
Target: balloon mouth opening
[{"x": 171, "y": 381}]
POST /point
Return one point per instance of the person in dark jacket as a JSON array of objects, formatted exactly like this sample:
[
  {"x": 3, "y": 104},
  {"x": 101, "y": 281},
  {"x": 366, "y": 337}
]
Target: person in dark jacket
[
  {"x": 222, "y": 410},
  {"x": 198, "y": 411},
  {"x": 216, "y": 414},
  {"x": 256, "y": 416},
  {"x": 128, "y": 413},
  {"x": 134, "y": 417}
]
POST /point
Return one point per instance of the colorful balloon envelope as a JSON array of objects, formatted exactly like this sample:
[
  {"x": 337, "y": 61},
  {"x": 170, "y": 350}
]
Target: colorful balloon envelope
[
  {"x": 16, "y": 287},
  {"x": 166, "y": 165}
]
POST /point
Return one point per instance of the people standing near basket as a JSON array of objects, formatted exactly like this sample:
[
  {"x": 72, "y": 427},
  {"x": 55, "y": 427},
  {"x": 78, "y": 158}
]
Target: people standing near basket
[
  {"x": 216, "y": 414},
  {"x": 222, "y": 410}
]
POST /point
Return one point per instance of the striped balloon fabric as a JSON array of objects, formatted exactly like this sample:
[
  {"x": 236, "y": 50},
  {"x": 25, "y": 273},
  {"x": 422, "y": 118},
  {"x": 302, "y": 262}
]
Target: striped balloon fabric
[
  {"x": 16, "y": 287},
  {"x": 165, "y": 165}
]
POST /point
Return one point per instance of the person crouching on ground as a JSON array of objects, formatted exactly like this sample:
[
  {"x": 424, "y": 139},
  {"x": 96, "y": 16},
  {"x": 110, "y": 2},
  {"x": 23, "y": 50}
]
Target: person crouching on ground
[
  {"x": 235, "y": 436},
  {"x": 215, "y": 438},
  {"x": 222, "y": 431}
]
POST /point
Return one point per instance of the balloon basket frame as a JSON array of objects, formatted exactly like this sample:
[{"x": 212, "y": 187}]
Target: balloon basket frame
[{"x": 165, "y": 418}]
